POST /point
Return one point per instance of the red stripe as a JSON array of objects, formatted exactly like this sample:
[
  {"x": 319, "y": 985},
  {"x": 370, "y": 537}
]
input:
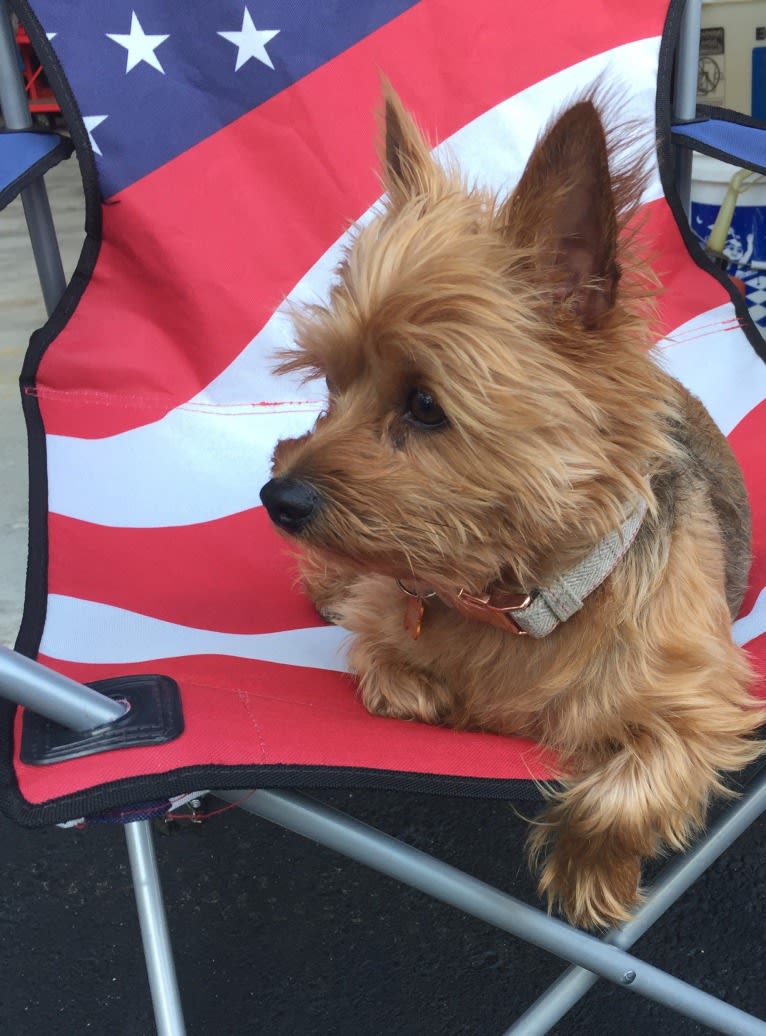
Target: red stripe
[
  {"x": 233, "y": 575},
  {"x": 240, "y": 713},
  {"x": 197, "y": 255},
  {"x": 685, "y": 290}
]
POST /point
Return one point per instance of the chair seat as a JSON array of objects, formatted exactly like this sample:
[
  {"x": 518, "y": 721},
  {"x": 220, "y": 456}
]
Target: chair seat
[{"x": 726, "y": 138}]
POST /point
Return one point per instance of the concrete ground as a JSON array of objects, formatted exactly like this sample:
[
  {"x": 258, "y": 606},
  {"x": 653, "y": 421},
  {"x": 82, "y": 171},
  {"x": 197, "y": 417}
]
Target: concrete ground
[{"x": 274, "y": 935}]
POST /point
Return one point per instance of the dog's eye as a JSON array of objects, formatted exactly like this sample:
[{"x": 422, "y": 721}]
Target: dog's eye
[{"x": 423, "y": 410}]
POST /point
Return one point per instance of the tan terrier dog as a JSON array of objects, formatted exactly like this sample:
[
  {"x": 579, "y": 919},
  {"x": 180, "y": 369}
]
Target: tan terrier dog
[{"x": 527, "y": 525}]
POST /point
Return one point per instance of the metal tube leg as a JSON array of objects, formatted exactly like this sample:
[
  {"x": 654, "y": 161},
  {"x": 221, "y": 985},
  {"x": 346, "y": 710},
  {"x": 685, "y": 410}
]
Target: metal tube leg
[
  {"x": 45, "y": 248},
  {"x": 688, "y": 57},
  {"x": 685, "y": 105},
  {"x": 13, "y": 99},
  {"x": 54, "y": 695},
  {"x": 154, "y": 930},
  {"x": 42, "y": 234}
]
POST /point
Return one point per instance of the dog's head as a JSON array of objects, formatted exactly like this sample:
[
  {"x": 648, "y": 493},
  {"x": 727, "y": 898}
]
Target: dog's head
[{"x": 481, "y": 366}]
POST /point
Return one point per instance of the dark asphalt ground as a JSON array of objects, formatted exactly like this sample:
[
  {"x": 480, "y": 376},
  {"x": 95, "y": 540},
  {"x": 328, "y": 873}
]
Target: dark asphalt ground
[{"x": 276, "y": 936}]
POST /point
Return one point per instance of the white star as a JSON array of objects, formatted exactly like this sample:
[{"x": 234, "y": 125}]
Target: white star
[
  {"x": 250, "y": 42},
  {"x": 91, "y": 121},
  {"x": 139, "y": 46},
  {"x": 51, "y": 35}
]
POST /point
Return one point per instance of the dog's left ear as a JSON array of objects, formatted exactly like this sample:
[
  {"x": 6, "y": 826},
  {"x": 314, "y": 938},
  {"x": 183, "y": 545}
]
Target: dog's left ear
[
  {"x": 409, "y": 170},
  {"x": 563, "y": 213}
]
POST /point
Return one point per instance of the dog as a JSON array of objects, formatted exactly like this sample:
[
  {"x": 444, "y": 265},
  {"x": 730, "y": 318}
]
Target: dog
[{"x": 527, "y": 525}]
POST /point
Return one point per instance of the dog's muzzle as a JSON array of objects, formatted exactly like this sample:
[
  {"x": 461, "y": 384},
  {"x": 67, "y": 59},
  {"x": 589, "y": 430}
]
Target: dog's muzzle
[{"x": 291, "y": 503}]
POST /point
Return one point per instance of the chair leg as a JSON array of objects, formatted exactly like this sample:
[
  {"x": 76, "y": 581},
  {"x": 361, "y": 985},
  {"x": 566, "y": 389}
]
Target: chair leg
[
  {"x": 685, "y": 103},
  {"x": 45, "y": 249},
  {"x": 158, "y": 953},
  {"x": 42, "y": 233}
]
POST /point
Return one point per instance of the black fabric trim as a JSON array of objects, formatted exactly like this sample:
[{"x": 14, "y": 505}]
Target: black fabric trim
[
  {"x": 36, "y": 596},
  {"x": 666, "y": 162},
  {"x": 62, "y": 150},
  {"x": 710, "y": 111},
  {"x": 202, "y": 778}
]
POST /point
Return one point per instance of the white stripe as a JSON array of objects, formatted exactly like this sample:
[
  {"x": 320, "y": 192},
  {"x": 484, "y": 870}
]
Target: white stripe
[
  {"x": 712, "y": 357},
  {"x": 190, "y": 467},
  {"x": 208, "y": 458},
  {"x": 85, "y": 631},
  {"x": 752, "y": 625},
  {"x": 88, "y": 632}
]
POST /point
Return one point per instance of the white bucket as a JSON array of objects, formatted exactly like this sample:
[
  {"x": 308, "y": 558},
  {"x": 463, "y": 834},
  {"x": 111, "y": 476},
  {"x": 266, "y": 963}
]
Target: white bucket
[{"x": 746, "y": 240}]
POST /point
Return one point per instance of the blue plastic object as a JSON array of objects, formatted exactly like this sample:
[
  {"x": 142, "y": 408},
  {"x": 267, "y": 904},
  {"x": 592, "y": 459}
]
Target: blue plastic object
[{"x": 26, "y": 155}]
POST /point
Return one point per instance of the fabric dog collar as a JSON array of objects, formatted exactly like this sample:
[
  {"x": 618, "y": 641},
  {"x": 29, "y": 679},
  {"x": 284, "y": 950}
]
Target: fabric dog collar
[{"x": 538, "y": 613}]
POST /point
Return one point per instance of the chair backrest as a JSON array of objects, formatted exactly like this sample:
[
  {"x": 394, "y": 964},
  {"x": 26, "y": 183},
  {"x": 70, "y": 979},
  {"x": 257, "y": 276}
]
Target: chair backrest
[{"x": 223, "y": 162}]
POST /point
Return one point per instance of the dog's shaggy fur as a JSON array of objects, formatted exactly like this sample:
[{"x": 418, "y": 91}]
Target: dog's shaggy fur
[{"x": 493, "y": 413}]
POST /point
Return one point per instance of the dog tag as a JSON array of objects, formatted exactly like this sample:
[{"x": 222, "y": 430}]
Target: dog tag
[{"x": 413, "y": 616}]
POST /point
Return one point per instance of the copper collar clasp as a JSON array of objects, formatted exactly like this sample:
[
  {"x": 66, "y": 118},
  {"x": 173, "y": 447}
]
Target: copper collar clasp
[{"x": 497, "y": 609}]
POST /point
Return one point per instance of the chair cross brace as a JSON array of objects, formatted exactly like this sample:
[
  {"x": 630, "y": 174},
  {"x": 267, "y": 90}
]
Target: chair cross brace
[{"x": 601, "y": 958}]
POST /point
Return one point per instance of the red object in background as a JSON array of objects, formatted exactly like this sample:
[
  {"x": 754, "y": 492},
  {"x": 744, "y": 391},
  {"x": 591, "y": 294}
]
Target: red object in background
[
  {"x": 39, "y": 93},
  {"x": 739, "y": 284}
]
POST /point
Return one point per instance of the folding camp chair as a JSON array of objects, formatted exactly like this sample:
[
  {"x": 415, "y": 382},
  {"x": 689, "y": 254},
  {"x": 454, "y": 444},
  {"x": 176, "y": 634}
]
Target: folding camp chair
[{"x": 164, "y": 649}]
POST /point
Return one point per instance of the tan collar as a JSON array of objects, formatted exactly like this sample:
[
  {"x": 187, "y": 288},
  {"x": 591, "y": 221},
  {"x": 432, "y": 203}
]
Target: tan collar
[{"x": 539, "y": 612}]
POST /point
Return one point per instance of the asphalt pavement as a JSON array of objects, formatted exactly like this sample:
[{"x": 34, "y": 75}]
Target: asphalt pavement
[{"x": 274, "y": 935}]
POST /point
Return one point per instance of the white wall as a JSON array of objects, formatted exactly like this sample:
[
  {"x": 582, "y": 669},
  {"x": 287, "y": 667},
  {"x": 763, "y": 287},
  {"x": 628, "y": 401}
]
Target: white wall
[{"x": 739, "y": 19}]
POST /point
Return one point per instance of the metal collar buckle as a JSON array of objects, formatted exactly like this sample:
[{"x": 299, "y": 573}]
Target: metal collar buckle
[{"x": 497, "y": 609}]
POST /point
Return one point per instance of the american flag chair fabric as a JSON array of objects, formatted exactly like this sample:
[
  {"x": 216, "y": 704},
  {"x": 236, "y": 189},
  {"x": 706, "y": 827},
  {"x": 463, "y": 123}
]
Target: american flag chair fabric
[{"x": 226, "y": 149}]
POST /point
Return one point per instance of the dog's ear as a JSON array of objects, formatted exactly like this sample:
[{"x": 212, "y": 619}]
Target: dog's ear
[
  {"x": 563, "y": 213},
  {"x": 409, "y": 170}
]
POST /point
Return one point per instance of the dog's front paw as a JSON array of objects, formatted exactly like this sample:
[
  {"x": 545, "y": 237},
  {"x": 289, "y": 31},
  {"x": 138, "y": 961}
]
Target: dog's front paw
[
  {"x": 594, "y": 884},
  {"x": 595, "y": 896},
  {"x": 403, "y": 693}
]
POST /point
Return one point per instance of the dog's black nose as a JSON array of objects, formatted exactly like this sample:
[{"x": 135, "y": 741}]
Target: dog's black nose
[{"x": 291, "y": 504}]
